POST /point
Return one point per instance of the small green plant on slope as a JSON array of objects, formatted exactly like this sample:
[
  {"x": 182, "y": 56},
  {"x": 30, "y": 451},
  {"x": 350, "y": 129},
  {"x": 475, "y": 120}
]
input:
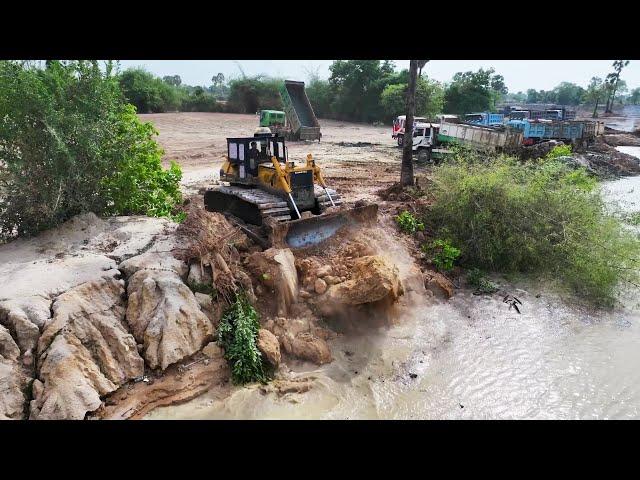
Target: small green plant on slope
[
  {"x": 559, "y": 151},
  {"x": 444, "y": 254},
  {"x": 408, "y": 223},
  {"x": 237, "y": 334},
  {"x": 477, "y": 279}
]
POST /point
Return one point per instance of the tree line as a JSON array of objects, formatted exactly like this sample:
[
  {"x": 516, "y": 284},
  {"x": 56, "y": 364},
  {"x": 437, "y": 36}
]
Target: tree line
[{"x": 365, "y": 91}]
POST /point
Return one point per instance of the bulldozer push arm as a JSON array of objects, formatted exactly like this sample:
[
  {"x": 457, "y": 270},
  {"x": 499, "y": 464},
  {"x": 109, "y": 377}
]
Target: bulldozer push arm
[
  {"x": 317, "y": 176},
  {"x": 284, "y": 184}
]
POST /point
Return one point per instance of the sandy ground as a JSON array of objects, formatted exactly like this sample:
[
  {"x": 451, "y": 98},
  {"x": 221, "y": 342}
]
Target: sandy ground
[{"x": 357, "y": 159}]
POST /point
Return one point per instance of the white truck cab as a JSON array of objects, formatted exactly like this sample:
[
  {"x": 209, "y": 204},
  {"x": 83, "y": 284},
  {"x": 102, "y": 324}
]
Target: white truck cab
[{"x": 424, "y": 138}]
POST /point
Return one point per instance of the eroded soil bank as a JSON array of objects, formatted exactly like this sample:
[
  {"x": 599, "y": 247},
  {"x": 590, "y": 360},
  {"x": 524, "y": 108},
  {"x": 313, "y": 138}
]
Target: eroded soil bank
[{"x": 104, "y": 318}]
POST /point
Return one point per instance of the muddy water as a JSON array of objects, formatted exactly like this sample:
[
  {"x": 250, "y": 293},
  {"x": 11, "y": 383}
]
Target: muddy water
[
  {"x": 627, "y": 122},
  {"x": 468, "y": 358}
]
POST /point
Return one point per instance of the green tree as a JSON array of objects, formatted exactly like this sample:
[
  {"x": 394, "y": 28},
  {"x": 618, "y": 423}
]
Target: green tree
[
  {"x": 472, "y": 91},
  {"x": 147, "y": 92},
  {"x": 66, "y": 140},
  {"x": 320, "y": 95},
  {"x": 174, "y": 80},
  {"x": 613, "y": 80},
  {"x": 568, "y": 93},
  {"x": 533, "y": 96},
  {"x": 429, "y": 98},
  {"x": 634, "y": 96},
  {"x": 357, "y": 86},
  {"x": 250, "y": 94},
  {"x": 595, "y": 93}
]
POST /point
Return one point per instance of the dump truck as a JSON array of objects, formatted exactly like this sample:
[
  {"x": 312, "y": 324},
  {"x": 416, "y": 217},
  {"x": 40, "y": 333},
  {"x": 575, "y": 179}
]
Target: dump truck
[
  {"x": 276, "y": 202},
  {"x": 572, "y": 131},
  {"x": 486, "y": 119},
  {"x": 302, "y": 123},
  {"x": 430, "y": 140}
]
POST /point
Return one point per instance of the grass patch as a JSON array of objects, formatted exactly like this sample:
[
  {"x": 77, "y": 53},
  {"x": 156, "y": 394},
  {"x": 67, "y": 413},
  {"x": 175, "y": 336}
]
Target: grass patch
[{"x": 543, "y": 218}]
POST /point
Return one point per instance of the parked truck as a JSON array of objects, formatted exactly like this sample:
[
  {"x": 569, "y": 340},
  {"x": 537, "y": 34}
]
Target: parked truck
[
  {"x": 398, "y": 127},
  {"x": 486, "y": 119},
  {"x": 302, "y": 123},
  {"x": 430, "y": 140},
  {"x": 534, "y": 131}
]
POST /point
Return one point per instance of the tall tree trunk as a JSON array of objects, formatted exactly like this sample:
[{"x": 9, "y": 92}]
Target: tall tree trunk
[
  {"x": 406, "y": 170},
  {"x": 595, "y": 109}
]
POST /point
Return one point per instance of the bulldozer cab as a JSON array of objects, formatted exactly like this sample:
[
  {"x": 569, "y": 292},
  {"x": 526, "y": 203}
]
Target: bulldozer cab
[{"x": 249, "y": 152}]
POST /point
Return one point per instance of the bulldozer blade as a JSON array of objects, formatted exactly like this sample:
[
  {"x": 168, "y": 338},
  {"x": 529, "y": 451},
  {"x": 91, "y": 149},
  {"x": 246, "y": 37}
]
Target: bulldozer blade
[{"x": 311, "y": 231}]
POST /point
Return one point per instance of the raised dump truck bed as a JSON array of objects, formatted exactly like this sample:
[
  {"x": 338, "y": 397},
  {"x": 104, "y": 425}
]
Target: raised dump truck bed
[{"x": 303, "y": 122}]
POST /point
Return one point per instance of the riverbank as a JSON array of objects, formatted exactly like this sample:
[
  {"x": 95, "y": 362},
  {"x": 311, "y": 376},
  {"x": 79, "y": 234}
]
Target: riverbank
[{"x": 429, "y": 356}]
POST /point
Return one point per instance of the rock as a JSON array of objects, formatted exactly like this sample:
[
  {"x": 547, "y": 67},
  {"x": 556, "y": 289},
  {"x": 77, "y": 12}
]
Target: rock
[
  {"x": 85, "y": 351},
  {"x": 440, "y": 285},
  {"x": 320, "y": 286},
  {"x": 13, "y": 383},
  {"x": 276, "y": 269},
  {"x": 324, "y": 271},
  {"x": 154, "y": 260},
  {"x": 199, "y": 275},
  {"x": 269, "y": 346},
  {"x": 8, "y": 348},
  {"x": 24, "y": 316},
  {"x": 304, "y": 294},
  {"x": 213, "y": 350},
  {"x": 165, "y": 316},
  {"x": 331, "y": 280},
  {"x": 373, "y": 278},
  {"x": 305, "y": 346}
]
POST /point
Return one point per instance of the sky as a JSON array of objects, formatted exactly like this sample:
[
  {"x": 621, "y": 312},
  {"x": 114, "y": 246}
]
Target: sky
[{"x": 519, "y": 75}]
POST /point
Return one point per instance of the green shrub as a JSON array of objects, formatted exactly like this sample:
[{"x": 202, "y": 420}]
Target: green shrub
[
  {"x": 139, "y": 184},
  {"x": 544, "y": 218},
  {"x": 69, "y": 144},
  {"x": 559, "y": 151},
  {"x": 444, "y": 254},
  {"x": 408, "y": 223},
  {"x": 476, "y": 278},
  {"x": 237, "y": 334}
]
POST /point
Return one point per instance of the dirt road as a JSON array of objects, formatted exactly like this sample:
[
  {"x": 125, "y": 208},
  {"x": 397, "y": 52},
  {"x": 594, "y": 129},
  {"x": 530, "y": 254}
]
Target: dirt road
[{"x": 357, "y": 159}]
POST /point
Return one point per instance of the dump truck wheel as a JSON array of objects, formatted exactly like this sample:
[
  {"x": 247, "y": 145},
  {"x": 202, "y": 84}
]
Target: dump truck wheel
[
  {"x": 424, "y": 155},
  {"x": 400, "y": 139}
]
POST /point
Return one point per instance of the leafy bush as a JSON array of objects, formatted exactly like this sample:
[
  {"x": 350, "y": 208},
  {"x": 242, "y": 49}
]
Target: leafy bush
[
  {"x": 250, "y": 94},
  {"x": 139, "y": 184},
  {"x": 237, "y": 334},
  {"x": 69, "y": 144},
  {"x": 444, "y": 254},
  {"x": 149, "y": 93},
  {"x": 408, "y": 223},
  {"x": 558, "y": 151},
  {"x": 540, "y": 218},
  {"x": 477, "y": 279}
]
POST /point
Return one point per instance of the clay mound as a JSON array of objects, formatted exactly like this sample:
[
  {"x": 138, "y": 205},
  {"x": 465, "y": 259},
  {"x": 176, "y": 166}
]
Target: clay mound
[
  {"x": 85, "y": 352},
  {"x": 165, "y": 317}
]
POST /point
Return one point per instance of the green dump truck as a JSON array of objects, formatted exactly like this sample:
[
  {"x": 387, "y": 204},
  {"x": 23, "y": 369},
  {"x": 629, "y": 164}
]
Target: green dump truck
[{"x": 297, "y": 122}]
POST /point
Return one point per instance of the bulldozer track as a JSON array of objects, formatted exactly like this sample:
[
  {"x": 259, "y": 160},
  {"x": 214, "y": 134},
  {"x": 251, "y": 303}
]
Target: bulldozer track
[{"x": 256, "y": 205}]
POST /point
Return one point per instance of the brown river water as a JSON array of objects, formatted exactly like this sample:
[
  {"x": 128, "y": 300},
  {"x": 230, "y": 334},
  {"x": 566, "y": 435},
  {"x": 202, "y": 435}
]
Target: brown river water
[{"x": 469, "y": 358}]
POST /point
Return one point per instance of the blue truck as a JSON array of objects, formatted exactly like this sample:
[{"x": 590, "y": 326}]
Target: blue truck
[
  {"x": 485, "y": 119},
  {"x": 570, "y": 131}
]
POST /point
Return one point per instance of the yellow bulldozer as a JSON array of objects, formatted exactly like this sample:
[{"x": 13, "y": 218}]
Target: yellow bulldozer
[{"x": 276, "y": 201}]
